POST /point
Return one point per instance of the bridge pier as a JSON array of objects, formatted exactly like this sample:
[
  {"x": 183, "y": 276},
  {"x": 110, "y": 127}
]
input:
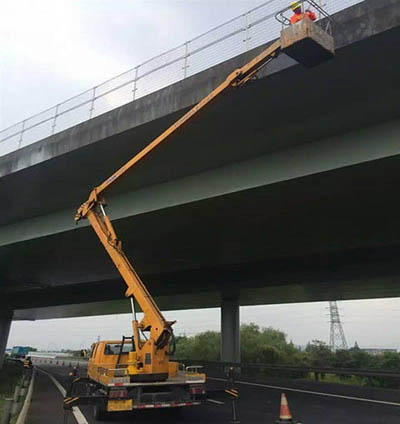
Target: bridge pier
[
  {"x": 230, "y": 330},
  {"x": 5, "y": 324}
]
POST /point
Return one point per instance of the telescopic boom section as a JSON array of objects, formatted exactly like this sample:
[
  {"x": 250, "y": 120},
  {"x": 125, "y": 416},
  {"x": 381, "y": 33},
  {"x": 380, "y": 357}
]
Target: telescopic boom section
[
  {"x": 92, "y": 209},
  {"x": 153, "y": 320}
]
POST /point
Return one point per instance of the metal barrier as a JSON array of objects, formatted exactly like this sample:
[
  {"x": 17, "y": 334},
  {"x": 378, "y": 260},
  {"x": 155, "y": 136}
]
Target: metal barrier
[
  {"x": 15, "y": 408},
  {"x": 238, "y": 35},
  {"x": 219, "y": 368}
]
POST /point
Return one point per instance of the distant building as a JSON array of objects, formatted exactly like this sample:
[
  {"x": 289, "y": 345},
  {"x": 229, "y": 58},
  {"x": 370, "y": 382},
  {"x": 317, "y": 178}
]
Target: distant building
[{"x": 378, "y": 351}]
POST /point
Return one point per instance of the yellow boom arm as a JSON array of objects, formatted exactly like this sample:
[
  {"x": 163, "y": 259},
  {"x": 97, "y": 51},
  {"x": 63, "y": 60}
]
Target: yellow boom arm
[{"x": 93, "y": 209}]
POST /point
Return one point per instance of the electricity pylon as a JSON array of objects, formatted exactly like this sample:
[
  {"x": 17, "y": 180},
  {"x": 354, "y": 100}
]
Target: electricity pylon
[{"x": 337, "y": 339}]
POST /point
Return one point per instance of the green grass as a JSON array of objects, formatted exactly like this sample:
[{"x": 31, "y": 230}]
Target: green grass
[
  {"x": 10, "y": 375},
  {"x": 351, "y": 380},
  {"x": 332, "y": 378}
]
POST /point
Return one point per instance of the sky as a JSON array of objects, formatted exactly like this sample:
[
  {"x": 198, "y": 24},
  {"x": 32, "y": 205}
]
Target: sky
[
  {"x": 372, "y": 323},
  {"x": 57, "y": 48},
  {"x": 54, "y": 49}
]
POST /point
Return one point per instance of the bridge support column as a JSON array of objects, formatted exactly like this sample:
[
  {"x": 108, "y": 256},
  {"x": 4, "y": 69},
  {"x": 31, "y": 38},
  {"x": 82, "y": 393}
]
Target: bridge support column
[
  {"x": 5, "y": 323},
  {"x": 230, "y": 330}
]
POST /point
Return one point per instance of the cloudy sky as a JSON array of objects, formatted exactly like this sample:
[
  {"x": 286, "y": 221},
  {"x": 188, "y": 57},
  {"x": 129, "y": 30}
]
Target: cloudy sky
[
  {"x": 372, "y": 323},
  {"x": 54, "y": 49}
]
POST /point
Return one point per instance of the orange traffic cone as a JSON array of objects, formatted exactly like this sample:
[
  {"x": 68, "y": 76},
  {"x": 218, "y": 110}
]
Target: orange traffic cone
[{"x": 285, "y": 417}]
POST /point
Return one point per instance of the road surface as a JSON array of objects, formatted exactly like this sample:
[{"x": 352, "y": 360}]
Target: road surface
[{"x": 259, "y": 403}]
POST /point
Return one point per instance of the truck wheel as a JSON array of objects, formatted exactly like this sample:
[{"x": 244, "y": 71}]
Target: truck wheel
[{"x": 100, "y": 413}]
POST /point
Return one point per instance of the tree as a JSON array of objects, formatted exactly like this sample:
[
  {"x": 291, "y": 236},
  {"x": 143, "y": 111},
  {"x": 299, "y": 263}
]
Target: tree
[
  {"x": 360, "y": 359},
  {"x": 390, "y": 360},
  {"x": 343, "y": 359},
  {"x": 263, "y": 344},
  {"x": 320, "y": 354},
  {"x": 258, "y": 345},
  {"x": 204, "y": 346},
  {"x": 183, "y": 347},
  {"x": 270, "y": 354}
]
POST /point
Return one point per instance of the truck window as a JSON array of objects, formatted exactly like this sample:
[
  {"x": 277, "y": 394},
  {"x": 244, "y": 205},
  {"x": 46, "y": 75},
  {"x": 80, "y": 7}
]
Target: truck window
[
  {"x": 114, "y": 348},
  {"x": 94, "y": 350}
]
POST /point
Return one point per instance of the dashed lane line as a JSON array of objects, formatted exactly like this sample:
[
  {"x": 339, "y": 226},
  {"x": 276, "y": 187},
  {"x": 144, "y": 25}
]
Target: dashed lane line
[
  {"x": 80, "y": 418},
  {"x": 289, "y": 389}
]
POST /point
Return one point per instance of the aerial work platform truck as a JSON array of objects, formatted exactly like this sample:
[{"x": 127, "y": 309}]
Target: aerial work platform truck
[{"x": 138, "y": 371}]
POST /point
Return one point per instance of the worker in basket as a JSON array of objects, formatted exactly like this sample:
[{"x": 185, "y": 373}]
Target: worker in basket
[{"x": 298, "y": 14}]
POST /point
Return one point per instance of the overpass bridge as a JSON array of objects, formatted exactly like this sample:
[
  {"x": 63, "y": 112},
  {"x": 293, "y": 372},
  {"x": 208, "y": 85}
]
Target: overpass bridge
[{"x": 283, "y": 191}]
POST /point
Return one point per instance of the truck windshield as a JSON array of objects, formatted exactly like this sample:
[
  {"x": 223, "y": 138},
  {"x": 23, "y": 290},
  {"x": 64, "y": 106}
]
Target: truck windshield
[{"x": 114, "y": 348}]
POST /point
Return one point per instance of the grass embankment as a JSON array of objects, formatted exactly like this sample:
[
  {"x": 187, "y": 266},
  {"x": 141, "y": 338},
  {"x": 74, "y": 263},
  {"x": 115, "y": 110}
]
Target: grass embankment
[
  {"x": 332, "y": 378},
  {"x": 10, "y": 375},
  {"x": 349, "y": 380}
]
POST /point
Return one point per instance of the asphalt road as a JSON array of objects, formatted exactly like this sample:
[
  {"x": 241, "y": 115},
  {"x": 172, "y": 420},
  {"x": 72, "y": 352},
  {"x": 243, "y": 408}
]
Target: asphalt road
[{"x": 257, "y": 404}]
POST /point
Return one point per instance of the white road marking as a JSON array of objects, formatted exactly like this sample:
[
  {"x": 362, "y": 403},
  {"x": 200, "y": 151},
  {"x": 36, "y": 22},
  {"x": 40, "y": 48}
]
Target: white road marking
[
  {"x": 383, "y": 402},
  {"x": 215, "y": 401},
  {"x": 80, "y": 418},
  {"x": 55, "y": 381}
]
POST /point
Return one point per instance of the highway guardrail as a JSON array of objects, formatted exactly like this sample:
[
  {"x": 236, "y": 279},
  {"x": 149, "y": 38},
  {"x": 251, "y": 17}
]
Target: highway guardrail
[{"x": 301, "y": 370}]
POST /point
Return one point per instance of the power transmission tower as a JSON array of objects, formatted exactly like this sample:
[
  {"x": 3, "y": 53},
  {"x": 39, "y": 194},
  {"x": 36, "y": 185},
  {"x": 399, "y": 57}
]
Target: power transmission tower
[{"x": 338, "y": 339}]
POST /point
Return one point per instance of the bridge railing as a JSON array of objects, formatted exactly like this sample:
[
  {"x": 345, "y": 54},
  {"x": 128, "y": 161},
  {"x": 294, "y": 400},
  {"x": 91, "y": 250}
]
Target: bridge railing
[{"x": 238, "y": 35}]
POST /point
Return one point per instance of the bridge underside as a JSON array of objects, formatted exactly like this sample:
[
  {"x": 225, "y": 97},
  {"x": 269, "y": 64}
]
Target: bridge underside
[{"x": 333, "y": 235}]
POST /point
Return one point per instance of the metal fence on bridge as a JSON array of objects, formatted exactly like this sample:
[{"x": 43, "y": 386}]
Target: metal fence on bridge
[{"x": 236, "y": 36}]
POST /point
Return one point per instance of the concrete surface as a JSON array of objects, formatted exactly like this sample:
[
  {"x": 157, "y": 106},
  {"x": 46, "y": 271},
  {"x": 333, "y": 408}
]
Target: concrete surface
[
  {"x": 357, "y": 23},
  {"x": 67, "y": 159},
  {"x": 46, "y": 404},
  {"x": 5, "y": 324},
  {"x": 230, "y": 329}
]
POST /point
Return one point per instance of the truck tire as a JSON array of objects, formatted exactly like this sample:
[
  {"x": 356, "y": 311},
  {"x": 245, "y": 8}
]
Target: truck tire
[{"x": 100, "y": 413}]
